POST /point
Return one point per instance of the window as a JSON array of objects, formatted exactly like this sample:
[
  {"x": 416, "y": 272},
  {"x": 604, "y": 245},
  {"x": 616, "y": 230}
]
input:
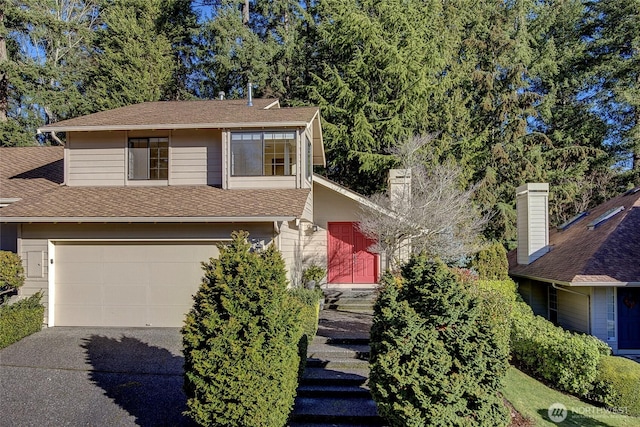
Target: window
[
  {"x": 553, "y": 305},
  {"x": 611, "y": 314},
  {"x": 309, "y": 159},
  {"x": 263, "y": 153},
  {"x": 149, "y": 158}
]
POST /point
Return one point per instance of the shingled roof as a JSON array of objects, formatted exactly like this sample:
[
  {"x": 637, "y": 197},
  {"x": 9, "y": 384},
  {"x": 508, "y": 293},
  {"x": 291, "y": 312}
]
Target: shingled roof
[
  {"x": 190, "y": 115},
  {"x": 34, "y": 175},
  {"x": 27, "y": 171},
  {"x": 607, "y": 255}
]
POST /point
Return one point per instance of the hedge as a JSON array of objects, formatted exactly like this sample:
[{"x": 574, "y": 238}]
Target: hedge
[
  {"x": 566, "y": 360},
  {"x": 20, "y": 319},
  {"x": 618, "y": 385},
  {"x": 308, "y": 301}
]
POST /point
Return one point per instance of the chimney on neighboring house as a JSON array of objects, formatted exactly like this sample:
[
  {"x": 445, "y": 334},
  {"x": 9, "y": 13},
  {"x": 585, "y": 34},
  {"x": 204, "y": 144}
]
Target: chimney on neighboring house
[
  {"x": 399, "y": 185},
  {"x": 532, "y": 205}
]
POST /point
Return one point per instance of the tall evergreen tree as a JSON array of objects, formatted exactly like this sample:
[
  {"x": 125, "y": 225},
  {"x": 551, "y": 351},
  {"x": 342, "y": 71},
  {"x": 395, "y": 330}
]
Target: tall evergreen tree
[
  {"x": 134, "y": 54},
  {"x": 45, "y": 63},
  {"x": 613, "y": 30},
  {"x": 262, "y": 42},
  {"x": 379, "y": 67}
]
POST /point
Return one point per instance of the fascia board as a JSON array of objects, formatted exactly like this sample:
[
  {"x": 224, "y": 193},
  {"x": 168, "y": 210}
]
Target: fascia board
[
  {"x": 174, "y": 219},
  {"x": 169, "y": 126},
  {"x": 575, "y": 284}
]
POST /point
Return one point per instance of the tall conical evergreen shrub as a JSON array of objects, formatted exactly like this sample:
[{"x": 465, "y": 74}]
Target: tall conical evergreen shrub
[
  {"x": 434, "y": 362},
  {"x": 240, "y": 340}
]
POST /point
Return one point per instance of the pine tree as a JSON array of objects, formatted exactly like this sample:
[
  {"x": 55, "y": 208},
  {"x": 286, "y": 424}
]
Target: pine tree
[
  {"x": 434, "y": 359},
  {"x": 134, "y": 58},
  {"x": 240, "y": 340},
  {"x": 45, "y": 64}
]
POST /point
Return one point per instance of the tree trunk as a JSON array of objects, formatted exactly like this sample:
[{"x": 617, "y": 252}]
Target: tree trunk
[
  {"x": 245, "y": 12},
  {"x": 4, "y": 81}
]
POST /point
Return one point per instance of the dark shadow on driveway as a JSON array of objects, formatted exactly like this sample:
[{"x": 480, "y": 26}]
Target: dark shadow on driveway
[{"x": 144, "y": 380}]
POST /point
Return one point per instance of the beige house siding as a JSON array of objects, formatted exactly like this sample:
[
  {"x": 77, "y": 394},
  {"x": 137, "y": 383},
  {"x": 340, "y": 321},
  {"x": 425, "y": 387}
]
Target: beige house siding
[
  {"x": 95, "y": 159},
  {"x": 38, "y": 238},
  {"x": 196, "y": 157},
  {"x": 534, "y": 294},
  {"x": 32, "y": 252},
  {"x": 290, "y": 246},
  {"x": 573, "y": 310}
]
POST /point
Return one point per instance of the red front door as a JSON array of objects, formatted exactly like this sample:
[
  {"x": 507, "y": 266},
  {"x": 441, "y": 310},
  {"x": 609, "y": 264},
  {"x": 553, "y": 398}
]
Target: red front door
[{"x": 349, "y": 260}]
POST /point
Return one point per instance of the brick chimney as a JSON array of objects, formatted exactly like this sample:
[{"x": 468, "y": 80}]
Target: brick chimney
[{"x": 532, "y": 204}]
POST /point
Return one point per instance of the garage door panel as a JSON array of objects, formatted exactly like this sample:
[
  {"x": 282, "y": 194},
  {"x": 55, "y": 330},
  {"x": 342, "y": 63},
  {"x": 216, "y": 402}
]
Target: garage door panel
[
  {"x": 127, "y": 284},
  {"x": 82, "y": 294},
  {"x": 78, "y": 314},
  {"x": 83, "y": 253},
  {"x": 89, "y": 273},
  {"x": 173, "y": 296},
  {"x": 165, "y": 317},
  {"x": 134, "y": 315},
  {"x": 130, "y": 273},
  {"x": 119, "y": 295},
  {"x": 178, "y": 274}
]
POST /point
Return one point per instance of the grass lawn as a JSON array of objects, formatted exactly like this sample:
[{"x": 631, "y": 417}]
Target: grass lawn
[{"x": 532, "y": 399}]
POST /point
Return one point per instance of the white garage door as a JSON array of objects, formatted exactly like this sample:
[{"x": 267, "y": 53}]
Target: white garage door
[{"x": 127, "y": 284}]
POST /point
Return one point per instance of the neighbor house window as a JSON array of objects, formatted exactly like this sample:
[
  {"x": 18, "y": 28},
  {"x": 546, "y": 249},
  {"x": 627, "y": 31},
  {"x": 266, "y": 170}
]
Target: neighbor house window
[
  {"x": 611, "y": 314},
  {"x": 149, "y": 158},
  {"x": 263, "y": 153}
]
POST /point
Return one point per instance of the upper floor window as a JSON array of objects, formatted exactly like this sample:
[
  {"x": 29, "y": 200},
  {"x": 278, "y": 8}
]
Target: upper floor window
[
  {"x": 149, "y": 158},
  {"x": 263, "y": 153}
]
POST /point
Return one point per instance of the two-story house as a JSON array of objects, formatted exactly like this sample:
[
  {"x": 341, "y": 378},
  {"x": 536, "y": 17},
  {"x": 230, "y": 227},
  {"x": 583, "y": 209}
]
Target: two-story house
[{"x": 115, "y": 225}]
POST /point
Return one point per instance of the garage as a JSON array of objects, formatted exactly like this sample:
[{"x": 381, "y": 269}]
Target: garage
[{"x": 126, "y": 283}]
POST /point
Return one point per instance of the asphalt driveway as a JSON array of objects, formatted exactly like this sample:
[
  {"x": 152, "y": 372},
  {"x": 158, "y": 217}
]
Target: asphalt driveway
[{"x": 93, "y": 377}]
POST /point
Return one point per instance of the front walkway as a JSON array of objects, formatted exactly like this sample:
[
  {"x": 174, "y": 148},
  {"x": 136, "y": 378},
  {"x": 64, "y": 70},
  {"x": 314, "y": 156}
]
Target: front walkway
[{"x": 334, "y": 388}]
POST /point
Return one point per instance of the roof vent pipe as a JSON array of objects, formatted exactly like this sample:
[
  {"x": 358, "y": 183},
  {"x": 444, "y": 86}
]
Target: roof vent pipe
[
  {"x": 250, "y": 93},
  {"x": 221, "y": 95}
]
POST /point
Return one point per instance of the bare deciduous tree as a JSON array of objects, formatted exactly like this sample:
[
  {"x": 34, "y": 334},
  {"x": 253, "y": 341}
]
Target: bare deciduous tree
[{"x": 429, "y": 213}]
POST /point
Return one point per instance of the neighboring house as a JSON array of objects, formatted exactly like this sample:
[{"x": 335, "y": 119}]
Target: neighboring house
[
  {"x": 585, "y": 274},
  {"x": 114, "y": 225}
]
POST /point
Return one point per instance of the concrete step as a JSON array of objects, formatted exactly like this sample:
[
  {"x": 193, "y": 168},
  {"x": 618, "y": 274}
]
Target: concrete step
[
  {"x": 337, "y": 363},
  {"x": 344, "y": 340},
  {"x": 352, "y": 308},
  {"x": 342, "y": 391},
  {"x": 336, "y": 410},
  {"x": 341, "y": 377},
  {"x": 340, "y": 351}
]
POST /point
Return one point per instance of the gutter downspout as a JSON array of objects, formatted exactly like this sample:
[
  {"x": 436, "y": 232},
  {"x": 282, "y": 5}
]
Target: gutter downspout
[{"x": 560, "y": 288}]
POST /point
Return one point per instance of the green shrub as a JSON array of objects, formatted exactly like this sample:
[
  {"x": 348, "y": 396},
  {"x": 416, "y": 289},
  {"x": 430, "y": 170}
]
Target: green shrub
[
  {"x": 241, "y": 340},
  {"x": 491, "y": 263},
  {"x": 308, "y": 301},
  {"x": 435, "y": 359},
  {"x": 20, "y": 319},
  {"x": 567, "y": 360},
  {"x": 11, "y": 271},
  {"x": 315, "y": 273},
  {"x": 618, "y": 385}
]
